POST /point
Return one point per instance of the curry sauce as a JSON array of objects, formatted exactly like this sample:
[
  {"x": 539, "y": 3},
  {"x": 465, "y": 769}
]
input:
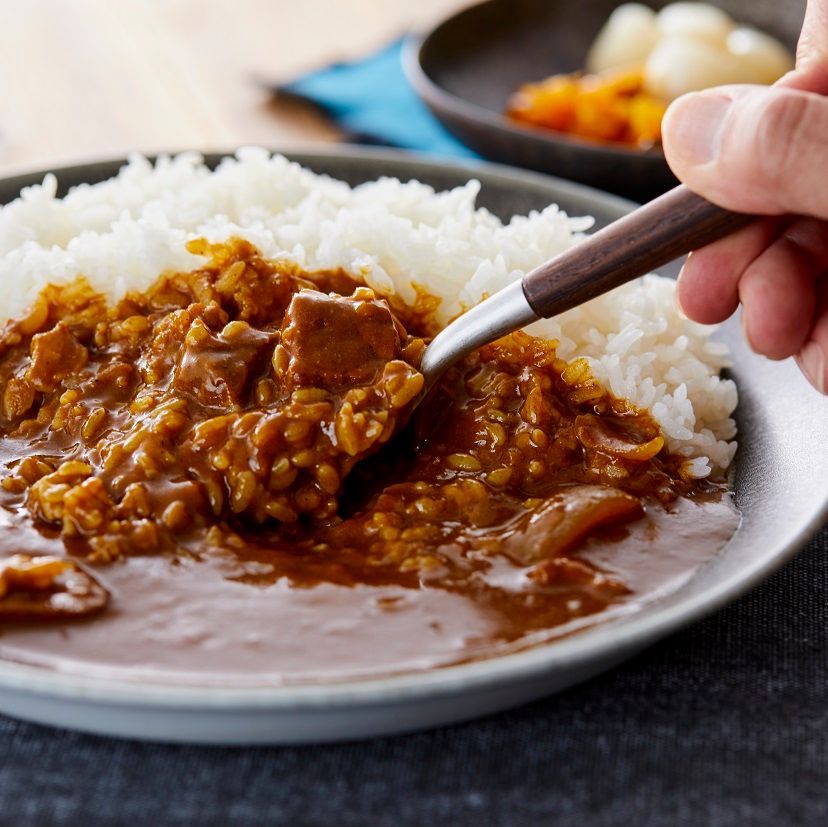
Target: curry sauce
[{"x": 219, "y": 445}]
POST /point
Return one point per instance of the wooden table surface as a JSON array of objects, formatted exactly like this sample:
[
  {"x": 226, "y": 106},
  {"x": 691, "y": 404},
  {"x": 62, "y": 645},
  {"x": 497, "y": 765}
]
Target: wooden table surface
[{"x": 86, "y": 79}]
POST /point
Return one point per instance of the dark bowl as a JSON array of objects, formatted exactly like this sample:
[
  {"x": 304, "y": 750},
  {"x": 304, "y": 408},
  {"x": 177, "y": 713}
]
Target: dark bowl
[{"x": 467, "y": 66}]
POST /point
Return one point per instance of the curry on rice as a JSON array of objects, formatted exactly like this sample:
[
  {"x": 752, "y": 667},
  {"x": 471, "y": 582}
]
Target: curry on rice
[{"x": 239, "y": 411}]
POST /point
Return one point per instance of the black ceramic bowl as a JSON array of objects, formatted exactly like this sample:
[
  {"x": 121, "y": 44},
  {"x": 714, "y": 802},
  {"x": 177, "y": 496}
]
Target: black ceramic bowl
[{"x": 468, "y": 65}]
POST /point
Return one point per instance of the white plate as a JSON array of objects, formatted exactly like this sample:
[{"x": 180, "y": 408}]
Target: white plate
[{"x": 781, "y": 485}]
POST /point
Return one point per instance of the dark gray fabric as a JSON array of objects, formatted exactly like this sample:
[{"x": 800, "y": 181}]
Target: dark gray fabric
[{"x": 725, "y": 723}]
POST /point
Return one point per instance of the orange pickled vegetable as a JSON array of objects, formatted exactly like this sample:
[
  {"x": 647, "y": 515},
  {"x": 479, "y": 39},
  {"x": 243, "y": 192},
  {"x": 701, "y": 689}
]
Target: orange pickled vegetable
[{"x": 611, "y": 107}]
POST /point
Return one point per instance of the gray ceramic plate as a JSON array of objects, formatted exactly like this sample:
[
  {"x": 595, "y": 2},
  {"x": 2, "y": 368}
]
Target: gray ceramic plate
[
  {"x": 781, "y": 482},
  {"x": 466, "y": 67}
]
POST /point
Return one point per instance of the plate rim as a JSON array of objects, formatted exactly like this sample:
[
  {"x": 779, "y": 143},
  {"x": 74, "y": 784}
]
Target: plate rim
[{"x": 600, "y": 641}]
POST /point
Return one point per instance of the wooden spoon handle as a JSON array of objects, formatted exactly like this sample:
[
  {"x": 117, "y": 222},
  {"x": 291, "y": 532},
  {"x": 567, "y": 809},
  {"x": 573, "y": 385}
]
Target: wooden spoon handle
[{"x": 664, "y": 229}]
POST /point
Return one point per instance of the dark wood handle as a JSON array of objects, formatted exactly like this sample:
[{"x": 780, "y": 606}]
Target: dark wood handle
[{"x": 664, "y": 229}]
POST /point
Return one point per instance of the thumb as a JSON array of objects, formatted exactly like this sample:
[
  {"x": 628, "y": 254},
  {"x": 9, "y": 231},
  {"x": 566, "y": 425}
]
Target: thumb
[{"x": 752, "y": 148}]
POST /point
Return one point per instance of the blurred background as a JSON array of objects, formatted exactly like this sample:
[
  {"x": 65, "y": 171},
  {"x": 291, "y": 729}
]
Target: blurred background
[
  {"x": 94, "y": 78},
  {"x": 575, "y": 90}
]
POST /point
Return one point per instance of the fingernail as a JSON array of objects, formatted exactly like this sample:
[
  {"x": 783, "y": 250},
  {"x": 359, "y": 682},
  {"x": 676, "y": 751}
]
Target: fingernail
[
  {"x": 697, "y": 134},
  {"x": 811, "y": 361},
  {"x": 745, "y": 333},
  {"x": 677, "y": 296}
]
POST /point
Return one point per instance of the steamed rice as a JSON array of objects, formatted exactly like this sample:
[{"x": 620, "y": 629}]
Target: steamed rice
[{"x": 123, "y": 232}]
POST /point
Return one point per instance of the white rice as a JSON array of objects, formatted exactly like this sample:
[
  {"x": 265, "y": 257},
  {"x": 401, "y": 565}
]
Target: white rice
[{"x": 123, "y": 232}]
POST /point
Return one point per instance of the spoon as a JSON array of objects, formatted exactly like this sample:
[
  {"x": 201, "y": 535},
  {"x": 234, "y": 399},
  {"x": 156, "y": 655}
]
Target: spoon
[{"x": 652, "y": 235}]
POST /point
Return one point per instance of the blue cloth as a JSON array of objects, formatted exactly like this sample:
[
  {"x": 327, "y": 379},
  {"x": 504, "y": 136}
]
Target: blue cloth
[{"x": 372, "y": 99}]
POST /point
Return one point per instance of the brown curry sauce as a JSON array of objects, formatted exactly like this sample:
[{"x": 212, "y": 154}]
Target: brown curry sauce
[{"x": 199, "y": 438}]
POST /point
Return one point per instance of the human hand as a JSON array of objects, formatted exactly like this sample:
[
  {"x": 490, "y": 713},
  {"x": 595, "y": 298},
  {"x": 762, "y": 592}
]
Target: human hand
[{"x": 765, "y": 151}]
